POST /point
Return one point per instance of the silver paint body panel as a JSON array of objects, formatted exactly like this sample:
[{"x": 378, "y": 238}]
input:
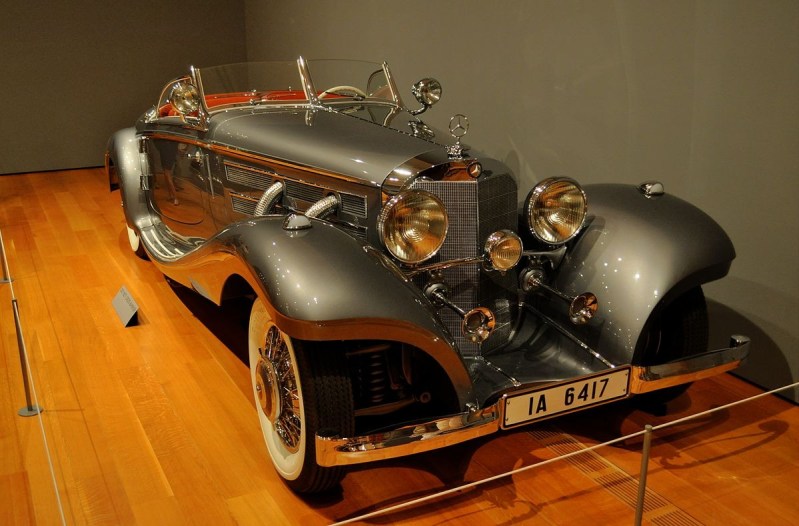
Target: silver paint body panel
[{"x": 333, "y": 281}]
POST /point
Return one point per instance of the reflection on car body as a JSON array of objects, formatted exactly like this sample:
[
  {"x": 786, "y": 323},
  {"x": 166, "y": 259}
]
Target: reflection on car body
[{"x": 405, "y": 295}]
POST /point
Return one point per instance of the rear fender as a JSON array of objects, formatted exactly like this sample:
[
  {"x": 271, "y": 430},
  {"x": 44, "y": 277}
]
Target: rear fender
[
  {"x": 637, "y": 254},
  {"x": 123, "y": 167}
]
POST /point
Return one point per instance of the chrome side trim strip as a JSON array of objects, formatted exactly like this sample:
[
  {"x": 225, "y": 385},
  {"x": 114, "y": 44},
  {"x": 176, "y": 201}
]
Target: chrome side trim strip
[
  {"x": 653, "y": 377},
  {"x": 407, "y": 440}
]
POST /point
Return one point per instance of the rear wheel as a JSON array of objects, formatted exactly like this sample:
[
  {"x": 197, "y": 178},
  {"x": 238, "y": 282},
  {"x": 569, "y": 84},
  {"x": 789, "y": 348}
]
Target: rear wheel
[
  {"x": 135, "y": 243},
  {"x": 298, "y": 394},
  {"x": 678, "y": 331}
]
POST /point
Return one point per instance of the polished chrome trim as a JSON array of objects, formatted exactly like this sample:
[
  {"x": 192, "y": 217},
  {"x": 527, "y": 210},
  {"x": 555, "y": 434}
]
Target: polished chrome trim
[
  {"x": 494, "y": 241},
  {"x": 323, "y": 207},
  {"x": 163, "y": 96},
  {"x": 269, "y": 198},
  {"x": 307, "y": 83},
  {"x": 407, "y": 440},
  {"x": 652, "y": 188},
  {"x": 653, "y": 377},
  {"x": 443, "y": 265},
  {"x": 395, "y": 94},
  {"x": 244, "y": 155},
  {"x": 533, "y": 196}
]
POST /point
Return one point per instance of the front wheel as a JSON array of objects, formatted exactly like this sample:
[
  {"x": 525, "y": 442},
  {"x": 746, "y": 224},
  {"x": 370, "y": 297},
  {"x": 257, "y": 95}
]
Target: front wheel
[
  {"x": 299, "y": 393},
  {"x": 678, "y": 331}
]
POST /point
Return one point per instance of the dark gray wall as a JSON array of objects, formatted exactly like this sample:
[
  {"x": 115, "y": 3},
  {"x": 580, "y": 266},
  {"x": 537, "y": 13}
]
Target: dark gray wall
[
  {"x": 703, "y": 95},
  {"x": 73, "y": 72}
]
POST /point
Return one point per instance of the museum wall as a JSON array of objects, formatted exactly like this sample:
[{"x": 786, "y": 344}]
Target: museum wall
[
  {"x": 73, "y": 72},
  {"x": 703, "y": 96}
]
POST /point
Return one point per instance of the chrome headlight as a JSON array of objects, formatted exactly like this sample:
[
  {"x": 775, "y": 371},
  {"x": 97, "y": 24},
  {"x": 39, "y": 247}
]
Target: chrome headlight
[
  {"x": 503, "y": 249},
  {"x": 413, "y": 226},
  {"x": 555, "y": 210}
]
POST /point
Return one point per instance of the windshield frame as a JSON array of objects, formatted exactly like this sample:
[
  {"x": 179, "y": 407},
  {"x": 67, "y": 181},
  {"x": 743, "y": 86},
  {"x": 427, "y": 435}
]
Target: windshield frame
[{"x": 314, "y": 96}]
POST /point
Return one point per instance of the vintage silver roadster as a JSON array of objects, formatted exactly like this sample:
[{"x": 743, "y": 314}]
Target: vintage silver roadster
[{"x": 405, "y": 295}]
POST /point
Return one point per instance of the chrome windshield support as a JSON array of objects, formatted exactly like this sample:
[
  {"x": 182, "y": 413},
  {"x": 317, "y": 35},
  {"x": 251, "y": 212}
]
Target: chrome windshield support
[
  {"x": 307, "y": 83},
  {"x": 395, "y": 95}
]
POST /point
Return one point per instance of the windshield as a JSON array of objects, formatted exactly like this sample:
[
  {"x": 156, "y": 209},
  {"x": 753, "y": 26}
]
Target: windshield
[{"x": 328, "y": 82}]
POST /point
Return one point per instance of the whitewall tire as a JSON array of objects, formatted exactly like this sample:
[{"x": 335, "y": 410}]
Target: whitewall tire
[{"x": 296, "y": 396}]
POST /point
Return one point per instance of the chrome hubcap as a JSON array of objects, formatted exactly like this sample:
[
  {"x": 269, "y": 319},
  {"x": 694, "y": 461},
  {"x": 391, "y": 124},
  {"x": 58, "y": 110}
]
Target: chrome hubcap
[
  {"x": 268, "y": 391},
  {"x": 276, "y": 387}
]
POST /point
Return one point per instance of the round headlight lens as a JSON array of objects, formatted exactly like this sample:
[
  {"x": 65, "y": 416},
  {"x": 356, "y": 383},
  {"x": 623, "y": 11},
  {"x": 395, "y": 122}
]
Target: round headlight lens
[
  {"x": 413, "y": 226},
  {"x": 555, "y": 210},
  {"x": 503, "y": 249}
]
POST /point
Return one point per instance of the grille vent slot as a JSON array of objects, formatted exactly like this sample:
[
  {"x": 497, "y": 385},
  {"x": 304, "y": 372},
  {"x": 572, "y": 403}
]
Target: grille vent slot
[
  {"x": 353, "y": 204},
  {"x": 261, "y": 179},
  {"x": 250, "y": 177},
  {"x": 304, "y": 192},
  {"x": 243, "y": 205}
]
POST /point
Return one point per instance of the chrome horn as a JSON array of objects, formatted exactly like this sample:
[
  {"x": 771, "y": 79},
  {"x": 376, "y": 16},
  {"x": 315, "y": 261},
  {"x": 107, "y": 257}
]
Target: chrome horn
[
  {"x": 477, "y": 324},
  {"x": 582, "y": 308}
]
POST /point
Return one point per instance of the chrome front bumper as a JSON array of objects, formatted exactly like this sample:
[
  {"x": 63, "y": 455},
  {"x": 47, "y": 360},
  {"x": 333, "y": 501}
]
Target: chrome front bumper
[{"x": 407, "y": 440}]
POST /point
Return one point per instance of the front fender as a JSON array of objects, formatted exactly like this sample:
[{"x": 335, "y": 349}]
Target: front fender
[
  {"x": 636, "y": 254},
  {"x": 320, "y": 284}
]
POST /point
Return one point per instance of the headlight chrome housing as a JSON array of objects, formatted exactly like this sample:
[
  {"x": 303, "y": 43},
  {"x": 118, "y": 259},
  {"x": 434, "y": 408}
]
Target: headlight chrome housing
[
  {"x": 555, "y": 210},
  {"x": 503, "y": 250},
  {"x": 413, "y": 226}
]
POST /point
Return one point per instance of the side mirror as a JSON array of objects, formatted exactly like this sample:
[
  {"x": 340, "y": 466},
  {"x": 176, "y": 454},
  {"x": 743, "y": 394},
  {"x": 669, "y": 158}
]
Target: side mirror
[
  {"x": 185, "y": 98},
  {"x": 427, "y": 91}
]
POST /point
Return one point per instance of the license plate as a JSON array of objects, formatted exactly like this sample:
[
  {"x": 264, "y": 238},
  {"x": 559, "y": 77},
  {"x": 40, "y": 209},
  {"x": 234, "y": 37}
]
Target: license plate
[{"x": 565, "y": 397}]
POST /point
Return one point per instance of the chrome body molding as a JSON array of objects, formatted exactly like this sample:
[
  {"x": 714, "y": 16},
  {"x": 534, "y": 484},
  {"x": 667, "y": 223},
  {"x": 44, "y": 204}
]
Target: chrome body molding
[
  {"x": 442, "y": 432},
  {"x": 407, "y": 440},
  {"x": 650, "y": 378}
]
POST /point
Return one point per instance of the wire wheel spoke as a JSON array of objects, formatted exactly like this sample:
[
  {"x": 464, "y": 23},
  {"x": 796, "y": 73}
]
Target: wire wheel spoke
[{"x": 288, "y": 425}]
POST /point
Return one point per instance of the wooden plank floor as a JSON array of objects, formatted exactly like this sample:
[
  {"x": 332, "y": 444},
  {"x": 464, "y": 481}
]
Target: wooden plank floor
[{"x": 154, "y": 424}]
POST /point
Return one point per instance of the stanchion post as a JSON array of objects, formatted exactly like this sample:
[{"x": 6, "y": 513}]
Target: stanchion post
[
  {"x": 30, "y": 409},
  {"x": 639, "y": 507},
  {"x": 6, "y": 273}
]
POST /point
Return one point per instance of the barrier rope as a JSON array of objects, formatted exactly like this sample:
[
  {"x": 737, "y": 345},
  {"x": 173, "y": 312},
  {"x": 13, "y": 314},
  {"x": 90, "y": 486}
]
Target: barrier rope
[
  {"x": 464, "y": 487},
  {"x": 28, "y": 380}
]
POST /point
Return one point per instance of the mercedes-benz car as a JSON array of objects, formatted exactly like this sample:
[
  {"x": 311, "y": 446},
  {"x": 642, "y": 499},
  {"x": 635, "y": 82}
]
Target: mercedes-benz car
[{"x": 407, "y": 293}]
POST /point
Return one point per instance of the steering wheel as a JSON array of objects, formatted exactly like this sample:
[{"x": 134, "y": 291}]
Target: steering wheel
[{"x": 342, "y": 91}]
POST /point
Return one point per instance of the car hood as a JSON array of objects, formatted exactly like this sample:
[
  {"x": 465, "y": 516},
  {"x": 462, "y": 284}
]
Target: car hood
[{"x": 327, "y": 140}]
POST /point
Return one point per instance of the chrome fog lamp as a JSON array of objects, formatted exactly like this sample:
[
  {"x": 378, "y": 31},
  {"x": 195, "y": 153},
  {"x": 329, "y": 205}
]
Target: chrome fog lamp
[
  {"x": 555, "y": 210},
  {"x": 413, "y": 225},
  {"x": 503, "y": 250},
  {"x": 478, "y": 324}
]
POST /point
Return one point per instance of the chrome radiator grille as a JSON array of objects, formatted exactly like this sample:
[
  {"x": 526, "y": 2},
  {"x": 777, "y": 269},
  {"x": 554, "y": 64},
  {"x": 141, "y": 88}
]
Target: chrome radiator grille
[{"x": 476, "y": 209}]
